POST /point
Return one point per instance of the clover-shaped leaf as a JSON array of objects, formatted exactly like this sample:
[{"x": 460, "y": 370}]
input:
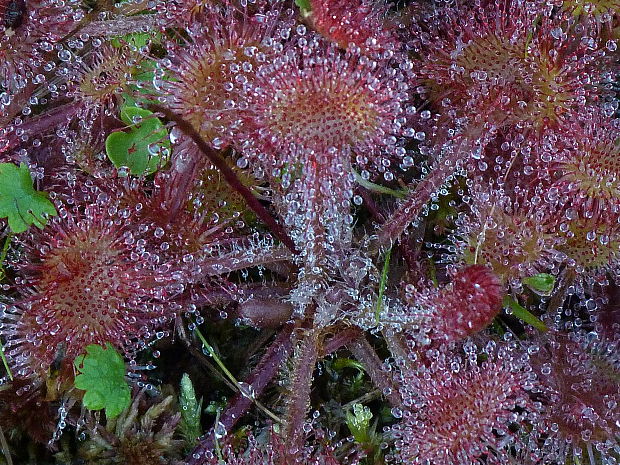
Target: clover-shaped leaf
[
  {"x": 20, "y": 203},
  {"x": 102, "y": 376},
  {"x": 144, "y": 148}
]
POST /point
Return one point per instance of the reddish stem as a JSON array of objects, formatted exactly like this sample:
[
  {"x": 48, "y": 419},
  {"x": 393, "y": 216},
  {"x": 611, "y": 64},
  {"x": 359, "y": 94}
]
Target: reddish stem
[
  {"x": 174, "y": 193},
  {"x": 43, "y": 123},
  {"x": 370, "y": 205},
  {"x": 341, "y": 339},
  {"x": 229, "y": 175},
  {"x": 409, "y": 210},
  {"x": 122, "y": 26},
  {"x": 366, "y": 355},
  {"x": 260, "y": 377},
  {"x": 305, "y": 358}
]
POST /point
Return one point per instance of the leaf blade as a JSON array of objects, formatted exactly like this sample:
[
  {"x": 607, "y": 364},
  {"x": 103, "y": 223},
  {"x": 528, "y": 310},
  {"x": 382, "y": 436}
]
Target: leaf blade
[
  {"x": 20, "y": 203},
  {"x": 102, "y": 377}
]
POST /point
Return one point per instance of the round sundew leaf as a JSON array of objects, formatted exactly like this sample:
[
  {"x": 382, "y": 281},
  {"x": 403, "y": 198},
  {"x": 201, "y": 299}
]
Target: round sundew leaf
[
  {"x": 144, "y": 148},
  {"x": 20, "y": 203}
]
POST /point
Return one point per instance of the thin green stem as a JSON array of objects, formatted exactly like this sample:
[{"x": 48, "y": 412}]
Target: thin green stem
[
  {"x": 218, "y": 449},
  {"x": 371, "y": 186},
  {"x": 5, "y": 362},
  {"x": 382, "y": 284},
  {"x": 5, "y": 249},
  {"x": 232, "y": 378}
]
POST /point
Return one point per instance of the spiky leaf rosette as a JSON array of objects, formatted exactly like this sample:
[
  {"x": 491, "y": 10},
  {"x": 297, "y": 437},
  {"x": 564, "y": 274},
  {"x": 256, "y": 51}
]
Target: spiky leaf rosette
[
  {"x": 143, "y": 434},
  {"x": 460, "y": 411},
  {"x": 85, "y": 279},
  {"x": 585, "y": 169},
  {"x": 506, "y": 65},
  {"x": 227, "y": 45},
  {"x": 363, "y": 23},
  {"x": 579, "y": 379},
  {"x": 28, "y": 31},
  {"x": 275, "y": 451},
  {"x": 515, "y": 240}
]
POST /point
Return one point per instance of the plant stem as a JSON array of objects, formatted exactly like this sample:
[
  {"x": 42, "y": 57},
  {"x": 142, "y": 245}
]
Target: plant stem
[
  {"x": 242, "y": 389},
  {"x": 306, "y": 355},
  {"x": 260, "y": 377},
  {"x": 382, "y": 284},
  {"x": 366, "y": 355},
  {"x": 409, "y": 210},
  {"x": 229, "y": 175},
  {"x": 340, "y": 339}
]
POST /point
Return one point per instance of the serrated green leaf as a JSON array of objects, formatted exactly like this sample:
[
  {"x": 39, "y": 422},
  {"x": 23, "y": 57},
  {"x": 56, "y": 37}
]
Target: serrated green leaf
[
  {"x": 144, "y": 147},
  {"x": 542, "y": 283},
  {"x": 191, "y": 410},
  {"x": 20, "y": 203},
  {"x": 523, "y": 314},
  {"x": 102, "y": 376}
]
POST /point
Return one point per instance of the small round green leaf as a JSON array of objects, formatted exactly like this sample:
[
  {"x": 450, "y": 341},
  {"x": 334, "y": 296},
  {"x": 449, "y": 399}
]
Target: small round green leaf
[{"x": 144, "y": 148}]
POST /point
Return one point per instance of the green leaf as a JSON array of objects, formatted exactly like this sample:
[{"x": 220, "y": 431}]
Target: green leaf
[
  {"x": 134, "y": 39},
  {"x": 102, "y": 376},
  {"x": 304, "y": 6},
  {"x": 358, "y": 422},
  {"x": 341, "y": 363},
  {"x": 191, "y": 410},
  {"x": 371, "y": 186},
  {"x": 382, "y": 284},
  {"x": 144, "y": 147},
  {"x": 523, "y": 314},
  {"x": 542, "y": 283},
  {"x": 19, "y": 201}
]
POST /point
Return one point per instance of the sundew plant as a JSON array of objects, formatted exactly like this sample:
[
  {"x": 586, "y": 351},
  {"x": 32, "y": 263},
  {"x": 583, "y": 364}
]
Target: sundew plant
[{"x": 309, "y": 232}]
